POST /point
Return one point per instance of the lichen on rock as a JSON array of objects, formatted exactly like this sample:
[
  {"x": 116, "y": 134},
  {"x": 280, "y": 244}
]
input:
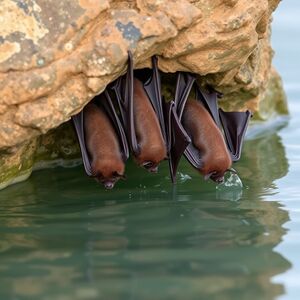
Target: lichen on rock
[{"x": 56, "y": 56}]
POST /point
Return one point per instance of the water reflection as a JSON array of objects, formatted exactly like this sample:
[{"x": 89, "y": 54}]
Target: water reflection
[
  {"x": 63, "y": 237},
  {"x": 267, "y": 160}
]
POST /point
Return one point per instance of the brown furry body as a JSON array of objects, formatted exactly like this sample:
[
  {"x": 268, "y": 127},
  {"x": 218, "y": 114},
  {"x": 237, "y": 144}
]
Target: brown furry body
[
  {"x": 208, "y": 139},
  {"x": 148, "y": 131},
  {"x": 103, "y": 146}
]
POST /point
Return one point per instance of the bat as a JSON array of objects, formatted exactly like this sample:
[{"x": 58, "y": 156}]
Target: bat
[
  {"x": 234, "y": 124},
  {"x": 102, "y": 144},
  {"x": 208, "y": 140},
  {"x": 152, "y": 147}
]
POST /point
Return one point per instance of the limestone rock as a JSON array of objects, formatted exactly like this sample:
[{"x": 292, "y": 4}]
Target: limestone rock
[
  {"x": 58, "y": 147},
  {"x": 56, "y": 55}
]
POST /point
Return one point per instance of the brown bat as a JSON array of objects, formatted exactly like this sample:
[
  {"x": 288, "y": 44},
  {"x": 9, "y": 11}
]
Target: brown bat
[
  {"x": 208, "y": 139},
  {"x": 103, "y": 147},
  {"x": 148, "y": 132}
]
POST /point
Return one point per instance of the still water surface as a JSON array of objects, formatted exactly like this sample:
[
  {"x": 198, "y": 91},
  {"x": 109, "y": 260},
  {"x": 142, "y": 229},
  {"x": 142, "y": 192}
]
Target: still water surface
[{"x": 63, "y": 237}]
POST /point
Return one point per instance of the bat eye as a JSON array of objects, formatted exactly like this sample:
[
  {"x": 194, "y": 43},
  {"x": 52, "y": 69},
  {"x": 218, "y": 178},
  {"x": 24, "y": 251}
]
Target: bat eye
[{"x": 148, "y": 164}]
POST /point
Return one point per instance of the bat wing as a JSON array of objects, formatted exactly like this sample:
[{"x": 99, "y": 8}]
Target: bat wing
[
  {"x": 152, "y": 86},
  {"x": 210, "y": 101},
  {"x": 129, "y": 103},
  {"x": 109, "y": 107},
  {"x": 193, "y": 156},
  {"x": 117, "y": 88},
  {"x": 122, "y": 89},
  {"x": 234, "y": 125},
  {"x": 79, "y": 128},
  {"x": 184, "y": 84},
  {"x": 177, "y": 137}
]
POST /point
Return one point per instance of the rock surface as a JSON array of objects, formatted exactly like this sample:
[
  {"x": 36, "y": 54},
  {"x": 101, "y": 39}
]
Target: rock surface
[{"x": 56, "y": 55}]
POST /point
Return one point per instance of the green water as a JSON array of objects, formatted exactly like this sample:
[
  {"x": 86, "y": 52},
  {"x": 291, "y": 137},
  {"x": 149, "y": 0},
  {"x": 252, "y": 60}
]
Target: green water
[{"x": 64, "y": 237}]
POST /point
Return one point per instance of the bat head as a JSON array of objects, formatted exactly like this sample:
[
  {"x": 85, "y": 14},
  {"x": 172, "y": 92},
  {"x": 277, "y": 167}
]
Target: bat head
[
  {"x": 108, "y": 174},
  {"x": 217, "y": 169},
  {"x": 109, "y": 181}
]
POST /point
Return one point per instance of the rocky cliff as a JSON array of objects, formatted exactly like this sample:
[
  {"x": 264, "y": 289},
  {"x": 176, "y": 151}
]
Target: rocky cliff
[{"x": 56, "y": 55}]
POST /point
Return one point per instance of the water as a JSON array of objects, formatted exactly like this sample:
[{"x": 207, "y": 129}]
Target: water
[{"x": 63, "y": 237}]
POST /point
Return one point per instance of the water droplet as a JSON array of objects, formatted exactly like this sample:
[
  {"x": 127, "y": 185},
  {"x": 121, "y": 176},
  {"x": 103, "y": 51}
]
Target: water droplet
[
  {"x": 183, "y": 177},
  {"x": 231, "y": 180},
  {"x": 231, "y": 188}
]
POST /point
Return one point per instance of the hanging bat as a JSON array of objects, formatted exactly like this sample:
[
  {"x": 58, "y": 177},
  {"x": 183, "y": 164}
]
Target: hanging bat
[
  {"x": 107, "y": 165},
  {"x": 234, "y": 125},
  {"x": 102, "y": 141},
  {"x": 151, "y": 144},
  {"x": 208, "y": 140},
  {"x": 140, "y": 105}
]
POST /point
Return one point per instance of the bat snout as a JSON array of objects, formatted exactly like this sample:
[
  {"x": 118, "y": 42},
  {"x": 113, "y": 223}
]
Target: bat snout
[
  {"x": 215, "y": 176},
  {"x": 109, "y": 185},
  {"x": 154, "y": 169},
  {"x": 219, "y": 179}
]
